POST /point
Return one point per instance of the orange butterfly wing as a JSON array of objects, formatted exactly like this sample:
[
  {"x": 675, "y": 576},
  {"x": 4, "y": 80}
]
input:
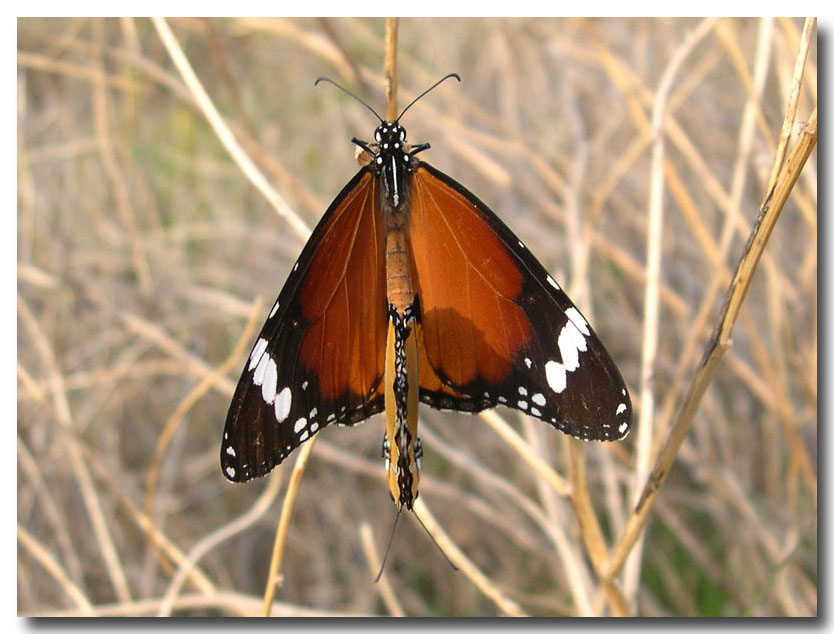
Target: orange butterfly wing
[
  {"x": 495, "y": 328},
  {"x": 319, "y": 358}
]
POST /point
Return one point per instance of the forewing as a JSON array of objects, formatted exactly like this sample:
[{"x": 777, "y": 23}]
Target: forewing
[
  {"x": 495, "y": 328},
  {"x": 319, "y": 358}
]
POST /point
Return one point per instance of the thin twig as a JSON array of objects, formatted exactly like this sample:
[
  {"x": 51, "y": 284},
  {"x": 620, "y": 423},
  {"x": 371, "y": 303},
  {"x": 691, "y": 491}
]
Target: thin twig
[
  {"x": 89, "y": 495},
  {"x": 651, "y": 300},
  {"x": 793, "y": 100},
  {"x": 185, "y": 405},
  {"x": 273, "y": 578},
  {"x": 218, "y": 536},
  {"x": 114, "y": 174},
  {"x": 45, "y": 559},
  {"x": 523, "y": 449},
  {"x": 391, "y": 29},
  {"x": 467, "y": 568},
  {"x": 719, "y": 342},
  {"x": 383, "y": 586},
  {"x": 224, "y": 134}
]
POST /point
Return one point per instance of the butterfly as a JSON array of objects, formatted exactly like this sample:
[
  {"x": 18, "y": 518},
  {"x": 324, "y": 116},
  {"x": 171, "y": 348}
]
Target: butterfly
[{"x": 410, "y": 289}]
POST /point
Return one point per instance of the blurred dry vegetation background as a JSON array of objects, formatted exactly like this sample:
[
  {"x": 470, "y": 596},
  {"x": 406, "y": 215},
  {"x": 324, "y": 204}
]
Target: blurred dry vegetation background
[{"x": 144, "y": 251}]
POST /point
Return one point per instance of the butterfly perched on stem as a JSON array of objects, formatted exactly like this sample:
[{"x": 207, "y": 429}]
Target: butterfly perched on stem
[{"x": 411, "y": 289}]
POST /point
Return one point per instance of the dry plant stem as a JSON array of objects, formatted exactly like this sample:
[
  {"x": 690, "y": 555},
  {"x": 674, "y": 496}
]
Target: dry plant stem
[
  {"x": 38, "y": 62},
  {"x": 111, "y": 166},
  {"x": 793, "y": 100},
  {"x": 651, "y": 299},
  {"x": 224, "y": 134},
  {"x": 217, "y": 536},
  {"x": 391, "y": 27},
  {"x": 317, "y": 44},
  {"x": 720, "y": 340},
  {"x": 55, "y": 518},
  {"x": 589, "y": 525},
  {"x": 234, "y": 603},
  {"x": 383, "y": 586},
  {"x": 92, "y": 504},
  {"x": 199, "y": 390},
  {"x": 154, "y": 535},
  {"x": 467, "y": 568},
  {"x": 697, "y": 328},
  {"x": 580, "y": 235},
  {"x": 168, "y": 344},
  {"x": 580, "y": 499},
  {"x": 523, "y": 449},
  {"x": 45, "y": 559},
  {"x": 274, "y": 576}
]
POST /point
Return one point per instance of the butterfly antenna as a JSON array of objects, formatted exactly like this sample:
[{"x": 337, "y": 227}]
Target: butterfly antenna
[
  {"x": 422, "y": 94},
  {"x": 388, "y": 547},
  {"x": 425, "y": 528},
  {"x": 345, "y": 90}
]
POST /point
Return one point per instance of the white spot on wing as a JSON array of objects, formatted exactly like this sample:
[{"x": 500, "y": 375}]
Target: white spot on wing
[
  {"x": 300, "y": 424},
  {"x": 282, "y": 405},
  {"x": 623, "y": 427},
  {"x": 538, "y": 399},
  {"x": 578, "y": 320},
  {"x": 552, "y": 282},
  {"x": 274, "y": 310},
  {"x": 270, "y": 385},
  {"x": 522, "y": 404},
  {"x": 578, "y": 339},
  {"x": 522, "y": 390},
  {"x": 567, "y": 348},
  {"x": 230, "y": 471},
  {"x": 313, "y": 412},
  {"x": 535, "y": 411},
  {"x": 528, "y": 362},
  {"x": 257, "y": 352},
  {"x": 230, "y": 450},
  {"x": 556, "y": 376},
  {"x": 621, "y": 408},
  {"x": 258, "y": 378}
]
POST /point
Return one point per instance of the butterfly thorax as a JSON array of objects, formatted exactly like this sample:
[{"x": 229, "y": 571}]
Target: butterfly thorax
[{"x": 391, "y": 162}]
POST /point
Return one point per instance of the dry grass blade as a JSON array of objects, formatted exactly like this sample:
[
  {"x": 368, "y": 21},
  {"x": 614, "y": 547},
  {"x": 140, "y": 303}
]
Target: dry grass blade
[
  {"x": 390, "y": 65},
  {"x": 465, "y": 565},
  {"x": 274, "y": 578},
  {"x": 258, "y": 510},
  {"x": 191, "y": 399},
  {"x": 225, "y": 134},
  {"x": 651, "y": 298},
  {"x": 720, "y": 340},
  {"x": 523, "y": 449},
  {"x": 42, "y": 556},
  {"x": 383, "y": 586}
]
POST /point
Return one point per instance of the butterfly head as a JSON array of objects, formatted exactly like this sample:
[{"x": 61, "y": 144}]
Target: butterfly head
[
  {"x": 389, "y": 141},
  {"x": 390, "y": 133}
]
